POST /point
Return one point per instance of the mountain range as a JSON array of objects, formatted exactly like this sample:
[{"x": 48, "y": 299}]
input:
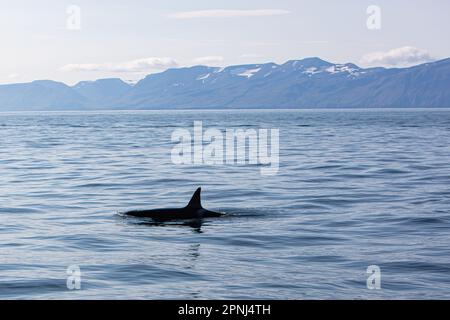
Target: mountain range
[{"x": 307, "y": 83}]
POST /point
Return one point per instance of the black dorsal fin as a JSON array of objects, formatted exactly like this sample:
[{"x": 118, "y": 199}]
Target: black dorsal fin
[{"x": 195, "y": 202}]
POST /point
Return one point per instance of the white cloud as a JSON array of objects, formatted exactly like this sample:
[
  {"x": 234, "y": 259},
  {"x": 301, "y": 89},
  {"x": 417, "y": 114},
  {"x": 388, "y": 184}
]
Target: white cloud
[
  {"x": 84, "y": 67},
  {"x": 209, "y": 60},
  {"x": 401, "y": 57},
  {"x": 222, "y": 13},
  {"x": 133, "y": 66}
]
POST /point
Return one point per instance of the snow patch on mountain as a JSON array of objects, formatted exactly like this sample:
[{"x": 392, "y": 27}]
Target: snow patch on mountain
[
  {"x": 204, "y": 77},
  {"x": 219, "y": 70},
  {"x": 249, "y": 73},
  {"x": 311, "y": 71},
  {"x": 339, "y": 68},
  {"x": 131, "y": 82}
]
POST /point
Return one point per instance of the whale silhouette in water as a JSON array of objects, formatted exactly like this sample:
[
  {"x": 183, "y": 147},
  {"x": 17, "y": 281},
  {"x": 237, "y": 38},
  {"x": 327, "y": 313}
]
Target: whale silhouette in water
[{"x": 193, "y": 210}]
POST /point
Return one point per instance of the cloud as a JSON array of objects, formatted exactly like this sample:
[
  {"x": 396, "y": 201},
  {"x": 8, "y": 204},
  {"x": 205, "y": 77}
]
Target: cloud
[
  {"x": 85, "y": 67},
  {"x": 133, "y": 66},
  {"x": 404, "y": 56},
  {"x": 222, "y": 13},
  {"x": 209, "y": 59}
]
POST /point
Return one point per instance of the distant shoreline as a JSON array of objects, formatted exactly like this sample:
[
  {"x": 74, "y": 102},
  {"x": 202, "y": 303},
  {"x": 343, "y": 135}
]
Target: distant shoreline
[
  {"x": 296, "y": 84},
  {"x": 93, "y": 111}
]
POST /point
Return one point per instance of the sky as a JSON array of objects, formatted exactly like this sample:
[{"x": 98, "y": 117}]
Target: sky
[{"x": 76, "y": 40}]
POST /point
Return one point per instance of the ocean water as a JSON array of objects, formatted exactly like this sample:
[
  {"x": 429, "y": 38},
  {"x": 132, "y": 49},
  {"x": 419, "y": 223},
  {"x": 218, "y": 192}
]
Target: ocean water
[{"x": 355, "y": 188}]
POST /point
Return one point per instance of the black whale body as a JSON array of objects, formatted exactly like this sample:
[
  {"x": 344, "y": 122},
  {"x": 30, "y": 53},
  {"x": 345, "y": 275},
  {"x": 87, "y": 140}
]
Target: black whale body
[{"x": 193, "y": 210}]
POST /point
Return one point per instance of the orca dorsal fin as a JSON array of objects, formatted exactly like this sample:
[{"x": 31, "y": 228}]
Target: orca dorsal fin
[{"x": 195, "y": 202}]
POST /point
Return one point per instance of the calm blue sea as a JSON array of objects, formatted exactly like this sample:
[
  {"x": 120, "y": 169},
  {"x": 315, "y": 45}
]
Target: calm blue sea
[{"x": 355, "y": 188}]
